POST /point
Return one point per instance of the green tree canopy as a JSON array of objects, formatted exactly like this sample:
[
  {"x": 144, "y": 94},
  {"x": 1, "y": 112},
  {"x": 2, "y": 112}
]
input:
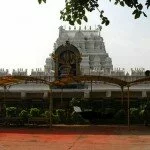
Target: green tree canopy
[{"x": 76, "y": 10}]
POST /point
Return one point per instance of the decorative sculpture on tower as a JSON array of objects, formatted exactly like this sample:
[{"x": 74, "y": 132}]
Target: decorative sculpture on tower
[{"x": 67, "y": 61}]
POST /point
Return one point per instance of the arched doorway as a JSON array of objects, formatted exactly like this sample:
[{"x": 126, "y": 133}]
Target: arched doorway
[{"x": 67, "y": 61}]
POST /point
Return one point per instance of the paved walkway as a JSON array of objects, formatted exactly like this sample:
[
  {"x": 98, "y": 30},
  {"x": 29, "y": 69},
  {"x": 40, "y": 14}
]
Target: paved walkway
[{"x": 76, "y": 138}]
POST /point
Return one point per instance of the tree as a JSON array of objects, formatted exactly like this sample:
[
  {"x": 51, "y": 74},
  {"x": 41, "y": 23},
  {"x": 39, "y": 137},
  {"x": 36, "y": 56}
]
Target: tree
[{"x": 76, "y": 10}]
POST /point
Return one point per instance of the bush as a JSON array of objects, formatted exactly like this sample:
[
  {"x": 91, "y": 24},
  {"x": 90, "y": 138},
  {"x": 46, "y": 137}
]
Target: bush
[
  {"x": 23, "y": 115},
  {"x": 62, "y": 115},
  {"x": 109, "y": 113},
  {"x": 75, "y": 102},
  {"x": 147, "y": 106},
  {"x": 120, "y": 116},
  {"x": 77, "y": 119},
  {"x": 47, "y": 114},
  {"x": 134, "y": 114},
  {"x": 141, "y": 114},
  {"x": 145, "y": 116},
  {"x": 11, "y": 112},
  {"x": 34, "y": 112},
  {"x": 3, "y": 111},
  {"x": 55, "y": 119}
]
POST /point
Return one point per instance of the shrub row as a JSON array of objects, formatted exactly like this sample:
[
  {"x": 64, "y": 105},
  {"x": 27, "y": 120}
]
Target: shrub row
[{"x": 59, "y": 116}]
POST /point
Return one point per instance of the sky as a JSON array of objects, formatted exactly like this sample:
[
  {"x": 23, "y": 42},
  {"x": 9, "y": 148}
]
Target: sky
[{"x": 28, "y": 31}]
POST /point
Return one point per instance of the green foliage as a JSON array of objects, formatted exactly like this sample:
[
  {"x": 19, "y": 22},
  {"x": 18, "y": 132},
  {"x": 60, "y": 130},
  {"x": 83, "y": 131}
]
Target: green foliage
[
  {"x": 120, "y": 115},
  {"x": 75, "y": 10},
  {"x": 59, "y": 116},
  {"x": 62, "y": 115},
  {"x": 77, "y": 119},
  {"x": 145, "y": 112},
  {"x": 134, "y": 112},
  {"x": 109, "y": 111},
  {"x": 147, "y": 3},
  {"x": 55, "y": 119},
  {"x": 145, "y": 116},
  {"x": 3, "y": 111},
  {"x": 75, "y": 102},
  {"x": 23, "y": 114},
  {"x": 34, "y": 112},
  {"x": 47, "y": 114},
  {"x": 142, "y": 114},
  {"x": 147, "y": 106},
  {"x": 11, "y": 112},
  {"x": 40, "y": 1},
  {"x": 134, "y": 115}
]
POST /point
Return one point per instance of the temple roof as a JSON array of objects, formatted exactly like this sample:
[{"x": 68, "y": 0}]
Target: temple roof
[{"x": 80, "y": 33}]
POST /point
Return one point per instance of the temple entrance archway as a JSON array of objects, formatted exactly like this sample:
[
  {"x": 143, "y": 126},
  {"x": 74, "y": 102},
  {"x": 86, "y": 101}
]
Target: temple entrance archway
[{"x": 67, "y": 61}]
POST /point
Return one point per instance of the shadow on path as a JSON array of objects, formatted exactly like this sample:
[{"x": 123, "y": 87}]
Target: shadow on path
[{"x": 82, "y": 129}]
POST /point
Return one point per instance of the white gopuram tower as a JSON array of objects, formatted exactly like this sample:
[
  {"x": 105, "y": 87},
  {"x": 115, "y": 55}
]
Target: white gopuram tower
[{"x": 91, "y": 46}]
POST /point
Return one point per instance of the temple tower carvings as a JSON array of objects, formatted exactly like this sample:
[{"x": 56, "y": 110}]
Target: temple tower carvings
[{"x": 90, "y": 47}]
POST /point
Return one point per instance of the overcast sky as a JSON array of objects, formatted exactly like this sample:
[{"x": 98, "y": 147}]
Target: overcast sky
[{"x": 28, "y": 31}]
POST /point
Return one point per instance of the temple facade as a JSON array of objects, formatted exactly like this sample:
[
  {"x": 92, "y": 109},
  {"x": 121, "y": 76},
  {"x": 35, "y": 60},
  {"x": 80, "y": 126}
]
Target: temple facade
[
  {"x": 91, "y": 47},
  {"x": 76, "y": 52},
  {"x": 87, "y": 50}
]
